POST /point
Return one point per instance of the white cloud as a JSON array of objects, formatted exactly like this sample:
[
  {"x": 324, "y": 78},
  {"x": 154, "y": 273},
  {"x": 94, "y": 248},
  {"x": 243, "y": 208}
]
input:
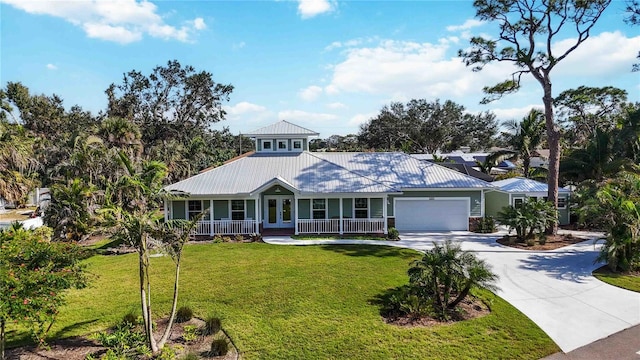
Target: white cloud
[
  {"x": 470, "y": 23},
  {"x": 299, "y": 116},
  {"x": 243, "y": 108},
  {"x": 122, "y": 21},
  {"x": 310, "y": 93},
  {"x": 360, "y": 119},
  {"x": 238, "y": 46},
  {"x": 310, "y": 8},
  {"x": 336, "y": 106},
  {"x": 515, "y": 113},
  {"x": 52, "y": 67},
  {"x": 198, "y": 24}
]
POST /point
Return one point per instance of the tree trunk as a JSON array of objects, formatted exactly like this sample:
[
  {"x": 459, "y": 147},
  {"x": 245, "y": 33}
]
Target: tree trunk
[
  {"x": 463, "y": 294},
  {"x": 2, "y": 338},
  {"x": 172, "y": 316},
  {"x": 553, "y": 138}
]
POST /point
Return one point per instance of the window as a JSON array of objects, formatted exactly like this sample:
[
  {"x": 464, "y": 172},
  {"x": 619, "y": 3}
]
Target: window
[
  {"x": 195, "y": 208},
  {"x": 361, "y": 208},
  {"x": 282, "y": 145},
  {"x": 266, "y": 144},
  {"x": 297, "y": 144},
  {"x": 237, "y": 209},
  {"x": 517, "y": 202},
  {"x": 562, "y": 203},
  {"x": 319, "y": 209}
]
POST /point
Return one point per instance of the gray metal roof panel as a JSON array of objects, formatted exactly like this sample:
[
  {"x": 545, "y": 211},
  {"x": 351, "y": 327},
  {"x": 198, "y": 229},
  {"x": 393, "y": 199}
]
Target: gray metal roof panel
[
  {"x": 282, "y": 128},
  {"x": 307, "y": 173},
  {"x": 523, "y": 185},
  {"x": 402, "y": 171}
]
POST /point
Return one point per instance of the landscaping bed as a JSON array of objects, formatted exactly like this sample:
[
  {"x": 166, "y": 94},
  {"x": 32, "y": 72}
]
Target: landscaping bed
[{"x": 550, "y": 242}]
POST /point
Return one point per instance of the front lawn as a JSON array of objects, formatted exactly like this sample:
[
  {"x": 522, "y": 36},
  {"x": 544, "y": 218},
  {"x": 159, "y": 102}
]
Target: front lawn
[
  {"x": 299, "y": 302},
  {"x": 625, "y": 281}
]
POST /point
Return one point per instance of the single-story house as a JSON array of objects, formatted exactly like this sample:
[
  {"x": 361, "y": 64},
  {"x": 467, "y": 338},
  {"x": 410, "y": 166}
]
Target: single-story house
[
  {"x": 513, "y": 191},
  {"x": 282, "y": 185}
]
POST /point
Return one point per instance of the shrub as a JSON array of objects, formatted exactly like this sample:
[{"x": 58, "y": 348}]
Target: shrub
[
  {"x": 530, "y": 242},
  {"x": 219, "y": 347},
  {"x": 190, "y": 333},
  {"x": 486, "y": 225},
  {"x": 404, "y": 300},
  {"x": 446, "y": 274},
  {"x": 130, "y": 319},
  {"x": 239, "y": 238},
  {"x": 217, "y": 239},
  {"x": 124, "y": 341},
  {"x": 190, "y": 356},
  {"x": 226, "y": 239},
  {"x": 167, "y": 353},
  {"x": 542, "y": 239},
  {"x": 212, "y": 325},
  {"x": 184, "y": 314},
  {"x": 256, "y": 237},
  {"x": 529, "y": 218},
  {"x": 393, "y": 234}
]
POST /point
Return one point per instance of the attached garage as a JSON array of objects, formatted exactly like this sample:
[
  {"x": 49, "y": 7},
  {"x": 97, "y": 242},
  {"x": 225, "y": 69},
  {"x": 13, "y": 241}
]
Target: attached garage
[{"x": 439, "y": 214}]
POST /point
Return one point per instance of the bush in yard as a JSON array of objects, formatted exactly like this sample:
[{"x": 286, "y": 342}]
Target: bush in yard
[
  {"x": 184, "y": 314},
  {"x": 219, "y": 347},
  {"x": 530, "y": 218},
  {"x": 393, "y": 234},
  {"x": 446, "y": 274},
  {"x": 486, "y": 225},
  {"x": 212, "y": 325}
]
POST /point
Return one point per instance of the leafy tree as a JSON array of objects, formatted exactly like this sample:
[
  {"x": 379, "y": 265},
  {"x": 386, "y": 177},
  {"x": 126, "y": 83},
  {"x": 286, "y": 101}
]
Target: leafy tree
[
  {"x": 528, "y": 219},
  {"x": 17, "y": 164},
  {"x": 586, "y": 109},
  {"x": 425, "y": 127},
  {"x": 173, "y": 102},
  {"x": 528, "y": 29},
  {"x": 446, "y": 274},
  {"x": 34, "y": 273},
  {"x": 616, "y": 206},
  {"x": 71, "y": 212},
  {"x": 526, "y": 137}
]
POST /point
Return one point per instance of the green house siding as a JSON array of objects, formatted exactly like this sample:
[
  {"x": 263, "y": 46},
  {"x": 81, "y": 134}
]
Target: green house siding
[
  {"x": 494, "y": 202},
  {"x": 303, "y": 208},
  {"x": 250, "y": 209},
  {"x": 475, "y": 207},
  {"x": 334, "y": 209},
  {"x": 347, "y": 208},
  {"x": 178, "y": 209},
  {"x": 376, "y": 210},
  {"x": 220, "y": 209}
]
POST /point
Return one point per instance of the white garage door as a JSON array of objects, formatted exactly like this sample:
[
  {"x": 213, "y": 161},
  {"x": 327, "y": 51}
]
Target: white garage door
[{"x": 436, "y": 215}]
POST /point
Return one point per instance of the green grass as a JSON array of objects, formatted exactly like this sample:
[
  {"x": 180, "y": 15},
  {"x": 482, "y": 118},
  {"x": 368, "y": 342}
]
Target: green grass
[
  {"x": 625, "y": 281},
  {"x": 307, "y": 302}
]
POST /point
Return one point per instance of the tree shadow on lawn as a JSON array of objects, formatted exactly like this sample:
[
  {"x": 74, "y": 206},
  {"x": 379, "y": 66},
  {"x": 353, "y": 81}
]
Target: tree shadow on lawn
[
  {"x": 371, "y": 250},
  {"x": 21, "y": 338},
  {"x": 574, "y": 266}
]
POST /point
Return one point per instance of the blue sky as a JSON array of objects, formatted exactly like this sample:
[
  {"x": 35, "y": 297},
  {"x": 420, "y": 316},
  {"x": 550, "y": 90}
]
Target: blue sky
[{"x": 325, "y": 65}]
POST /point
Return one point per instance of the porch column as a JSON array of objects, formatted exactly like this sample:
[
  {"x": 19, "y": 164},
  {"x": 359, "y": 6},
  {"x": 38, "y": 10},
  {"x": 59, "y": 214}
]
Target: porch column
[
  {"x": 256, "y": 207},
  {"x": 295, "y": 211},
  {"x": 482, "y": 203},
  {"x": 384, "y": 212},
  {"x": 340, "y": 225},
  {"x": 211, "y": 217},
  {"x": 166, "y": 210}
]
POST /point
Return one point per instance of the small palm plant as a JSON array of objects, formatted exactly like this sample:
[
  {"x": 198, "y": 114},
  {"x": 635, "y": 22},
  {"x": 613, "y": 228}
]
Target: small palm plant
[
  {"x": 529, "y": 218},
  {"x": 446, "y": 274}
]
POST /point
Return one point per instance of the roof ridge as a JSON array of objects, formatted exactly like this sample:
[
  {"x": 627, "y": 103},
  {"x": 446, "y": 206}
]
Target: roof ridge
[{"x": 350, "y": 171}]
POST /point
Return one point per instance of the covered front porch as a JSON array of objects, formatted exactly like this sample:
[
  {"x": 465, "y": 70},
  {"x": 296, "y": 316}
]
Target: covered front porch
[{"x": 279, "y": 207}]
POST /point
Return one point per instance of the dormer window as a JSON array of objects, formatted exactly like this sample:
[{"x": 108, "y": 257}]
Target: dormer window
[
  {"x": 282, "y": 145},
  {"x": 266, "y": 144},
  {"x": 297, "y": 145}
]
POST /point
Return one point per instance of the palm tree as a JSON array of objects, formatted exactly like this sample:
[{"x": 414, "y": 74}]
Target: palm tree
[
  {"x": 493, "y": 159},
  {"x": 447, "y": 273},
  {"x": 71, "y": 211},
  {"x": 526, "y": 137},
  {"x": 17, "y": 164}
]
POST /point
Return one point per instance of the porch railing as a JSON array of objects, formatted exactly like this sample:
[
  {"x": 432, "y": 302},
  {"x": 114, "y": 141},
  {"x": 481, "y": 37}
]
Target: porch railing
[
  {"x": 332, "y": 226},
  {"x": 226, "y": 227}
]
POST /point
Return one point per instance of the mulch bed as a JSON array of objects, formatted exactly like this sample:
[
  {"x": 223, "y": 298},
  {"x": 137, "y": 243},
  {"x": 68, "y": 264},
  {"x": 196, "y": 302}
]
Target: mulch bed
[
  {"x": 77, "y": 348},
  {"x": 469, "y": 308},
  {"x": 553, "y": 242}
]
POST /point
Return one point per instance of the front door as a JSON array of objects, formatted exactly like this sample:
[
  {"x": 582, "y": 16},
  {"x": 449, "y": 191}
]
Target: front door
[{"x": 278, "y": 211}]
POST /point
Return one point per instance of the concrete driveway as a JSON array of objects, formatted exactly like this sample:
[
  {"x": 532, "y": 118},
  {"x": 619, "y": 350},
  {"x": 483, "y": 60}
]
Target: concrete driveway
[{"x": 555, "y": 288}]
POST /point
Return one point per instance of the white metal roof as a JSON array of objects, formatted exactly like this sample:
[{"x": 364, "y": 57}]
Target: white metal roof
[
  {"x": 523, "y": 185},
  {"x": 305, "y": 172},
  {"x": 282, "y": 128}
]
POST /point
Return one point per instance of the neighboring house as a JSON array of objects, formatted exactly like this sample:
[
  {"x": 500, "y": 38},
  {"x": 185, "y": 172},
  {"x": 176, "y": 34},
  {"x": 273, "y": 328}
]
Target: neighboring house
[
  {"x": 513, "y": 191},
  {"x": 284, "y": 186},
  {"x": 468, "y": 159}
]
